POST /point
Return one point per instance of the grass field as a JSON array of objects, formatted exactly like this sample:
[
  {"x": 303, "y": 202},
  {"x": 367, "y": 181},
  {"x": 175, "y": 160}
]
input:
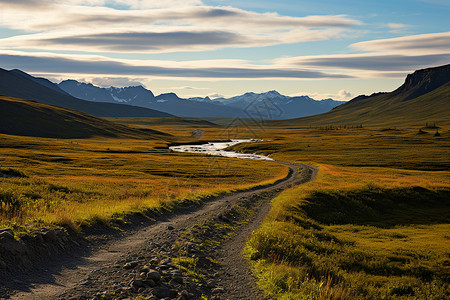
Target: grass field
[
  {"x": 75, "y": 182},
  {"x": 374, "y": 225}
]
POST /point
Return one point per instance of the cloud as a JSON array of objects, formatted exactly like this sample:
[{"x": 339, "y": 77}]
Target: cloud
[
  {"x": 342, "y": 95},
  {"x": 114, "y": 81},
  {"x": 178, "y": 28},
  {"x": 189, "y": 88},
  {"x": 14, "y": 4},
  {"x": 72, "y": 16},
  {"x": 215, "y": 95},
  {"x": 141, "y": 4},
  {"x": 431, "y": 43},
  {"x": 387, "y": 57},
  {"x": 132, "y": 41},
  {"x": 371, "y": 61},
  {"x": 396, "y": 25},
  {"x": 67, "y": 64},
  {"x": 157, "y": 42}
]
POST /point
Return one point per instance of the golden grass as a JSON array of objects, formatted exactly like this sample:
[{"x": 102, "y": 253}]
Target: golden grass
[
  {"x": 295, "y": 256},
  {"x": 373, "y": 225},
  {"x": 79, "y": 181}
]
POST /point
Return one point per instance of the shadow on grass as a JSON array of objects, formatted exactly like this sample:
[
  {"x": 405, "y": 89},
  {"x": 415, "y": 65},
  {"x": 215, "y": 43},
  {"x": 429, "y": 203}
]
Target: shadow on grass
[{"x": 380, "y": 207}]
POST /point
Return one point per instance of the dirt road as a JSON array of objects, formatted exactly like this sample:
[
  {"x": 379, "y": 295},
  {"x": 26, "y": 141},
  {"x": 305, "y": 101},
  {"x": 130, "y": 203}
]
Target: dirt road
[{"x": 120, "y": 268}]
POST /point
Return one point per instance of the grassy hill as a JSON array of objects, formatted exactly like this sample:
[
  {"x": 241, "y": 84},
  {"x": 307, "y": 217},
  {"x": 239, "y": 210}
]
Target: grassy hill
[
  {"x": 424, "y": 97},
  {"x": 18, "y": 84},
  {"x": 31, "y": 118}
]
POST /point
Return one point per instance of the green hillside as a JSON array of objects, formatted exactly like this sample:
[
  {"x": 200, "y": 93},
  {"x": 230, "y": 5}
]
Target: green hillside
[
  {"x": 31, "y": 118},
  {"x": 424, "y": 97}
]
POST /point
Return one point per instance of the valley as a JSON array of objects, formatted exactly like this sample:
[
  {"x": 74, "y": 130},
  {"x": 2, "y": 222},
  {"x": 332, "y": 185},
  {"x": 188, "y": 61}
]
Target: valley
[{"x": 349, "y": 204}]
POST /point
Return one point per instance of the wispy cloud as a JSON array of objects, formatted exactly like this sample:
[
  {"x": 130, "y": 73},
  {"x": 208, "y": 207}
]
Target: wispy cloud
[
  {"x": 6, "y": 4},
  {"x": 137, "y": 42},
  {"x": 431, "y": 43},
  {"x": 67, "y": 64},
  {"x": 58, "y": 26},
  {"x": 385, "y": 57},
  {"x": 190, "y": 88},
  {"x": 370, "y": 61},
  {"x": 341, "y": 95},
  {"x": 398, "y": 27},
  {"x": 114, "y": 81}
]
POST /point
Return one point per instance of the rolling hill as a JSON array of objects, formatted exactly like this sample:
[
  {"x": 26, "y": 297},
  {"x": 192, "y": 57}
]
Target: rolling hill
[
  {"x": 18, "y": 84},
  {"x": 424, "y": 97},
  {"x": 32, "y": 118}
]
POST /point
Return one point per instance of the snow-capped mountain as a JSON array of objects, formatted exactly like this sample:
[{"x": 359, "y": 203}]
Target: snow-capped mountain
[
  {"x": 248, "y": 98},
  {"x": 139, "y": 96},
  {"x": 278, "y": 106},
  {"x": 134, "y": 95},
  {"x": 269, "y": 105},
  {"x": 201, "y": 99}
]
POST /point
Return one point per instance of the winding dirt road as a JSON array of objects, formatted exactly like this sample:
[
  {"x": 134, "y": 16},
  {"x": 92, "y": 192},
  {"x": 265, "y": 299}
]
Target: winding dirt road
[{"x": 100, "y": 269}]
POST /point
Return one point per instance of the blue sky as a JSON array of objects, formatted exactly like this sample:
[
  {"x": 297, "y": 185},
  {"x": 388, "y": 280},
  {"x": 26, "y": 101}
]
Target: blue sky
[{"x": 323, "y": 49}]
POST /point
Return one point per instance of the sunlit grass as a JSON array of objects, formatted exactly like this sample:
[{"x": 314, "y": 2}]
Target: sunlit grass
[
  {"x": 76, "y": 182},
  {"x": 374, "y": 225},
  {"x": 370, "y": 250}
]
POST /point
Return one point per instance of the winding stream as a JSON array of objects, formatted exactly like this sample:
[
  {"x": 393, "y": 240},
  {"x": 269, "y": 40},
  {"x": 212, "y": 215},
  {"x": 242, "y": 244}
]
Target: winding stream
[{"x": 216, "y": 148}]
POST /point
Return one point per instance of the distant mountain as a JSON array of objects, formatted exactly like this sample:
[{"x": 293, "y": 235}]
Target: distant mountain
[
  {"x": 271, "y": 105},
  {"x": 424, "y": 97},
  {"x": 279, "y": 106},
  {"x": 18, "y": 84},
  {"x": 200, "y": 99},
  {"x": 32, "y": 118},
  {"x": 134, "y": 95},
  {"x": 139, "y": 96}
]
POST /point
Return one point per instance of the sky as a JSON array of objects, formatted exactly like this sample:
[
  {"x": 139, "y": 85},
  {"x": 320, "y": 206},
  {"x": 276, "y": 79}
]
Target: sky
[{"x": 331, "y": 48}]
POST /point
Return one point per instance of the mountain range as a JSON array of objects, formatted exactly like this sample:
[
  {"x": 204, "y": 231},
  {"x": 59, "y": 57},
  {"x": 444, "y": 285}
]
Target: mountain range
[
  {"x": 271, "y": 105},
  {"x": 141, "y": 97},
  {"x": 16, "y": 83},
  {"x": 423, "y": 98}
]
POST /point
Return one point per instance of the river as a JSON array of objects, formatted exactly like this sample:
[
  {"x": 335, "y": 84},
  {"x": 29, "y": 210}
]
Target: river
[{"x": 216, "y": 148}]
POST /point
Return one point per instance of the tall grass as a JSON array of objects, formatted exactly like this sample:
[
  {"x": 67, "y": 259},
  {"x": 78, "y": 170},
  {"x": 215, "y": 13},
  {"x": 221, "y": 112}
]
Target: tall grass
[
  {"x": 351, "y": 236},
  {"x": 374, "y": 225}
]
